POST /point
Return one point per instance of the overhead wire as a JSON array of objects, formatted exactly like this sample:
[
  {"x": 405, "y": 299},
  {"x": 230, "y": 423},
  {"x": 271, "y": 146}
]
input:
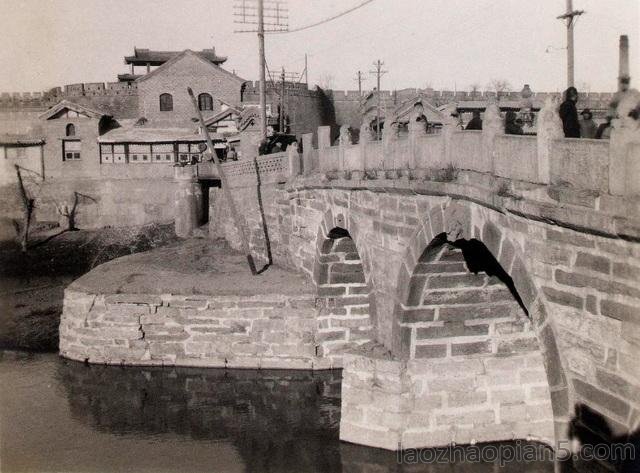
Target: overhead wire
[{"x": 326, "y": 20}]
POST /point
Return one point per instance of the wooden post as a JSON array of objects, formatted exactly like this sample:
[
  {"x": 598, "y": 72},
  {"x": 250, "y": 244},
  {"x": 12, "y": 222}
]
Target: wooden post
[{"x": 225, "y": 187}]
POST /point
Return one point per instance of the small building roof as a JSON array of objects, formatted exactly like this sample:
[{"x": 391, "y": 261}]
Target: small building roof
[
  {"x": 154, "y": 135},
  {"x": 20, "y": 140},
  {"x": 222, "y": 115},
  {"x": 66, "y": 104},
  {"x": 142, "y": 57}
]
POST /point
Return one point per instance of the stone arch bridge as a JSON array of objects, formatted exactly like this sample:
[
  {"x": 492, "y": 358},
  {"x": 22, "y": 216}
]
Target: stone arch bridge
[{"x": 473, "y": 286}]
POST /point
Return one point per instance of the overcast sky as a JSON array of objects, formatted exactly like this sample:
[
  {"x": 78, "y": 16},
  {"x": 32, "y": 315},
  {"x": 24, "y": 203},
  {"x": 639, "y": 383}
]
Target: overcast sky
[{"x": 438, "y": 43}]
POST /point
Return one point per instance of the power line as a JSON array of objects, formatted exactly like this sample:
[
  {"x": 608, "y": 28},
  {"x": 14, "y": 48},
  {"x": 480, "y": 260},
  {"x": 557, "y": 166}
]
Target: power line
[{"x": 326, "y": 20}]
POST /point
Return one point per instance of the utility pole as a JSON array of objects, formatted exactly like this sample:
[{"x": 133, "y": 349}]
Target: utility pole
[
  {"x": 251, "y": 12},
  {"x": 263, "y": 90},
  {"x": 360, "y": 79},
  {"x": 570, "y": 17},
  {"x": 282, "y": 93},
  {"x": 379, "y": 73}
]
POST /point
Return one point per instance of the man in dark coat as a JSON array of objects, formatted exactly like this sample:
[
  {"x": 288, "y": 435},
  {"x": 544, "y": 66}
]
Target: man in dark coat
[{"x": 569, "y": 114}]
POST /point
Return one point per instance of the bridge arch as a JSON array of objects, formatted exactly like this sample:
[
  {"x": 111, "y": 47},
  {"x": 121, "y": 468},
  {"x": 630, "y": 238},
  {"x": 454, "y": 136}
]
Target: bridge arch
[
  {"x": 465, "y": 293},
  {"x": 342, "y": 276}
]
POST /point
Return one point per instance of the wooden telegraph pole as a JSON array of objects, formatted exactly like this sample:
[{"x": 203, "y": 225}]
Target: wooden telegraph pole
[
  {"x": 360, "y": 79},
  {"x": 379, "y": 73},
  {"x": 252, "y": 12},
  {"x": 225, "y": 187},
  {"x": 570, "y": 17}
]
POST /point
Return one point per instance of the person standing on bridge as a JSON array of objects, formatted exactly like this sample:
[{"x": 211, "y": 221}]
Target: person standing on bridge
[
  {"x": 588, "y": 127},
  {"x": 476, "y": 122},
  {"x": 511, "y": 126},
  {"x": 569, "y": 114}
]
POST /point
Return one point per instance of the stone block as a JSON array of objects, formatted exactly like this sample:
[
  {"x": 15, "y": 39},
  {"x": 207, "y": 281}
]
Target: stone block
[
  {"x": 592, "y": 395},
  {"x": 378, "y": 438},
  {"x": 563, "y": 297},
  {"x": 466, "y": 398},
  {"x": 473, "y": 348},
  {"x": 480, "y": 417},
  {"x": 595, "y": 263},
  {"x": 431, "y": 351},
  {"x": 491, "y": 237},
  {"x": 620, "y": 311}
]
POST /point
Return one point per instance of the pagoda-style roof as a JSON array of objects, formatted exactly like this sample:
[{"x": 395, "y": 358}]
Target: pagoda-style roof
[
  {"x": 128, "y": 77},
  {"x": 142, "y": 57}
]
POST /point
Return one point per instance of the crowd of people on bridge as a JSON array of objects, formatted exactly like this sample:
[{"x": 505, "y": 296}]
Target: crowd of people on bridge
[{"x": 584, "y": 128}]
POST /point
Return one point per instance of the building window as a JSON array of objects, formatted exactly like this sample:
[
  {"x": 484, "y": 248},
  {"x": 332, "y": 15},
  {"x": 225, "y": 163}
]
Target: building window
[
  {"x": 70, "y": 130},
  {"x": 166, "y": 103},
  {"x": 71, "y": 150},
  {"x": 205, "y": 102}
]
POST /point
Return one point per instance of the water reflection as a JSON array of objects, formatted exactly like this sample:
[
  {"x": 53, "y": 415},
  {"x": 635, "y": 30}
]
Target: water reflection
[
  {"x": 59, "y": 415},
  {"x": 277, "y": 420}
]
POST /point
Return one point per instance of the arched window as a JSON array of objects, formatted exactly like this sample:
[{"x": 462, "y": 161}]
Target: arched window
[
  {"x": 166, "y": 103},
  {"x": 70, "y": 130},
  {"x": 205, "y": 102}
]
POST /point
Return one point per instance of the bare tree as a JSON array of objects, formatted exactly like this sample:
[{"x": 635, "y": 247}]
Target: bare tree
[
  {"x": 326, "y": 81},
  {"x": 475, "y": 89},
  {"x": 499, "y": 86},
  {"x": 28, "y": 205}
]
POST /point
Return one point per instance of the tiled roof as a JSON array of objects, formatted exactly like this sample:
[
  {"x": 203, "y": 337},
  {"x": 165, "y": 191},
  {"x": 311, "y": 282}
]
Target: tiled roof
[
  {"x": 188, "y": 52},
  {"x": 155, "y": 58},
  {"x": 72, "y": 106},
  {"x": 20, "y": 140},
  {"x": 153, "y": 135}
]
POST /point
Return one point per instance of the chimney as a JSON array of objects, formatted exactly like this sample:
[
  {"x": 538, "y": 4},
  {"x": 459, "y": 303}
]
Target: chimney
[{"x": 623, "y": 75}]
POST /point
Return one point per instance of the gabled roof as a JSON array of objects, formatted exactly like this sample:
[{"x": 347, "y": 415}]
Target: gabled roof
[
  {"x": 221, "y": 115},
  {"x": 432, "y": 113},
  {"x": 66, "y": 104},
  {"x": 156, "y": 58},
  {"x": 188, "y": 52}
]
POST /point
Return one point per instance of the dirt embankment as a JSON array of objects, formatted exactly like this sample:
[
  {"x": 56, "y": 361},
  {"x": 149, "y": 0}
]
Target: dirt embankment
[{"x": 32, "y": 284}]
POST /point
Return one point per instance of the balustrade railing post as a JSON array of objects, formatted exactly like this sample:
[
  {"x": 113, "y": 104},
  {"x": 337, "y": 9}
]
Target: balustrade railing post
[
  {"x": 293, "y": 159},
  {"x": 549, "y": 130},
  {"x": 324, "y": 142},
  {"x": 307, "y": 153},
  {"x": 492, "y": 126},
  {"x": 624, "y": 145}
]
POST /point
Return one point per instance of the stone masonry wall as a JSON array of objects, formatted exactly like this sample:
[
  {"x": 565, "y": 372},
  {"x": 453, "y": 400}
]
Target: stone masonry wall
[
  {"x": 265, "y": 331},
  {"x": 397, "y": 404},
  {"x": 571, "y": 267},
  {"x": 344, "y": 321},
  {"x": 101, "y": 202}
]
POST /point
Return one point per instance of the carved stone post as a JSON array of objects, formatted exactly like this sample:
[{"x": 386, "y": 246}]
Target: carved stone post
[
  {"x": 549, "y": 129},
  {"x": 492, "y": 126},
  {"x": 294, "y": 160},
  {"x": 624, "y": 145},
  {"x": 324, "y": 137},
  {"x": 344, "y": 140},
  {"x": 307, "y": 153},
  {"x": 448, "y": 127},
  {"x": 417, "y": 129},
  {"x": 366, "y": 136},
  {"x": 187, "y": 200}
]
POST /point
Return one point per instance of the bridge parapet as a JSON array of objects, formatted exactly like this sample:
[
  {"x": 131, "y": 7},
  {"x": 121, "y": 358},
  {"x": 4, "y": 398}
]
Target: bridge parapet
[{"x": 600, "y": 166}]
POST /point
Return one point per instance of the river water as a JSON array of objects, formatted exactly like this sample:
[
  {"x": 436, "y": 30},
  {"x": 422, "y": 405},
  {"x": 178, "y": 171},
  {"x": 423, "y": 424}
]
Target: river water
[{"x": 63, "y": 416}]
